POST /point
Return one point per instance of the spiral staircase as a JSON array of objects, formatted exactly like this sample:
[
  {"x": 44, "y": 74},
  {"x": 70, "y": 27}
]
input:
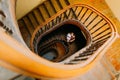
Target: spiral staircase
[
  {"x": 35, "y": 23},
  {"x": 44, "y": 50}
]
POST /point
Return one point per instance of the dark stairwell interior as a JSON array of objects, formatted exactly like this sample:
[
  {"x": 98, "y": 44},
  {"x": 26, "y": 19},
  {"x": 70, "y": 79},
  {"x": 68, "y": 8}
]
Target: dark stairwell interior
[{"x": 60, "y": 42}]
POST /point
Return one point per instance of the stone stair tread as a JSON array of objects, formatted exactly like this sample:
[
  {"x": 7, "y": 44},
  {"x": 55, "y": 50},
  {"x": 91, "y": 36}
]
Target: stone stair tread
[
  {"x": 50, "y": 8},
  {"x": 55, "y": 4},
  {"x": 28, "y": 25},
  {"x": 44, "y": 11},
  {"x": 25, "y": 36},
  {"x": 38, "y": 16},
  {"x": 33, "y": 20}
]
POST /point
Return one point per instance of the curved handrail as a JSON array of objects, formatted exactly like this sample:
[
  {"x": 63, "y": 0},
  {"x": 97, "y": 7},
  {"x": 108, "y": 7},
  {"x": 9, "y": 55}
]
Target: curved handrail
[
  {"x": 21, "y": 59},
  {"x": 37, "y": 31}
]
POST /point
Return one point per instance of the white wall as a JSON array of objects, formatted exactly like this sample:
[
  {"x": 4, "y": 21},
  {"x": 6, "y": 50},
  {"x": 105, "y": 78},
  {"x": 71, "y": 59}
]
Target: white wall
[
  {"x": 115, "y": 7},
  {"x": 24, "y": 6}
]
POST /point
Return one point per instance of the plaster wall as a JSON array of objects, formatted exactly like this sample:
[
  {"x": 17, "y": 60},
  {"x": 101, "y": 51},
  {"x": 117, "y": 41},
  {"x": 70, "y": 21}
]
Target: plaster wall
[
  {"x": 115, "y": 7},
  {"x": 24, "y": 6}
]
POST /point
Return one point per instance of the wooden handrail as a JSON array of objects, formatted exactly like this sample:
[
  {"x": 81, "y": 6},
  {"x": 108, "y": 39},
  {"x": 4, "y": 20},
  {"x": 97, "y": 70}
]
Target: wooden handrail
[{"x": 19, "y": 58}]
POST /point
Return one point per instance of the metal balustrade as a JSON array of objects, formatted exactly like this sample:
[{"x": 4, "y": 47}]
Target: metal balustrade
[
  {"x": 7, "y": 29},
  {"x": 97, "y": 25}
]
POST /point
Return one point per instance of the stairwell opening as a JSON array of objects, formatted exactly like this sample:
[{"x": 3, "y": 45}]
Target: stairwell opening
[
  {"x": 97, "y": 30},
  {"x": 62, "y": 40}
]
